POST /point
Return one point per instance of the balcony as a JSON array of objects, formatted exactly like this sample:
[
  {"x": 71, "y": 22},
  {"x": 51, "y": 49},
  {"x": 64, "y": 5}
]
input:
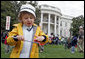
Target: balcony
[{"x": 47, "y": 7}]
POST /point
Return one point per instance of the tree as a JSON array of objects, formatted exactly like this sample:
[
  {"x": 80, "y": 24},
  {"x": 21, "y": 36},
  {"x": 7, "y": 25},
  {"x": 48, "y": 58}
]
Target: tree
[
  {"x": 10, "y": 8},
  {"x": 6, "y": 10},
  {"x": 77, "y": 21},
  {"x": 37, "y": 12},
  {"x": 17, "y": 6}
]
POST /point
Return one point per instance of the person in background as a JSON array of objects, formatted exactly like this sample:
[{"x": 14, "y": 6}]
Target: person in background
[
  {"x": 81, "y": 39},
  {"x": 56, "y": 39},
  {"x": 59, "y": 41},
  {"x": 65, "y": 43},
  {"x": 52, "y": 38},
  {"x": 4, "y": 41},
  {"x": 69, "y": 42},
  {"x": 62, "y": 40},
  {"x": 73, "y": 44},
  {"x": 49, "y": 41}
]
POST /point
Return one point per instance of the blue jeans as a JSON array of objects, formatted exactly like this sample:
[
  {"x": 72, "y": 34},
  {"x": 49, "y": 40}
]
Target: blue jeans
[{"x": 73, "y": 49}]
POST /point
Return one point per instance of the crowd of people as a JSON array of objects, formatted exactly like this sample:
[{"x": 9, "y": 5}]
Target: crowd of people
[
  {"x": 75, "y": 42},
  {"x": 56, "y": 39}
]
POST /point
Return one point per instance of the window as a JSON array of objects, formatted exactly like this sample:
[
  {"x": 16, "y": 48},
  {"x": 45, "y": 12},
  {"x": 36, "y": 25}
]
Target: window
[
  {"x": 52, "y": 19},
  {"x": 65, "y": 23},
  {"x": 45, "y": 17},
  {"x": 57, "y": 19},
  {"x": 61, "y": 23},
  {"x": 60, "y": 32}
]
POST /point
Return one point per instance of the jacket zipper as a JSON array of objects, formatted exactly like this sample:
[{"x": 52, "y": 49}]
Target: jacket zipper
[{"x": 32, "y": 40}]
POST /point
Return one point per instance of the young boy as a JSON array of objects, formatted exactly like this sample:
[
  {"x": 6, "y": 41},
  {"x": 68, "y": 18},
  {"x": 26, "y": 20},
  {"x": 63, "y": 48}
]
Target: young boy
[{"x": 25, "y": 35}]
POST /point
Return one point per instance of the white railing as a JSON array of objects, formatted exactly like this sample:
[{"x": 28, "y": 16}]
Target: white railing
[{"x": 50, "y": 8}]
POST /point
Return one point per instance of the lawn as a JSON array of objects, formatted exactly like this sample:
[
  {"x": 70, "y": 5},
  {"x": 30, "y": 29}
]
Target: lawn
[
  {"x": 3, "y": 54},
  {"x": 50, "y": 51},
  {"x": 58, "y": 51}
]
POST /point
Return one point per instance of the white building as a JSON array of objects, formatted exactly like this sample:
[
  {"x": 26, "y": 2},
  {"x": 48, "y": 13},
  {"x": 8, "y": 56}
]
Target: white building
[
  {"x": 53, "y": 21},
  {"x": 65, "y": 25}
]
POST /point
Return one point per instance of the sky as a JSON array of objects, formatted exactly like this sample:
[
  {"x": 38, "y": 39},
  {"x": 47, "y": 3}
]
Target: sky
[{"x": 71, "y": 8}]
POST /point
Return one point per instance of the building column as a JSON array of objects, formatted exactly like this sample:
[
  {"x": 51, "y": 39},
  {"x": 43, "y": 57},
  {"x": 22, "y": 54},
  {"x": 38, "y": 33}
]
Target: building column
[
  {"x": 59, "y": 26},
  {"x": 41, "y": 20},
  {"x": 55, "y": 26},
  {"x": 48, "y": 24}
]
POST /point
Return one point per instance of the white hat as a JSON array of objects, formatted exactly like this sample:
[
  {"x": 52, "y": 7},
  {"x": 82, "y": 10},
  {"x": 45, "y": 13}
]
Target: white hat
[
  {"x": 80, "y": 27},
  {"x": 29, "y": 8}
]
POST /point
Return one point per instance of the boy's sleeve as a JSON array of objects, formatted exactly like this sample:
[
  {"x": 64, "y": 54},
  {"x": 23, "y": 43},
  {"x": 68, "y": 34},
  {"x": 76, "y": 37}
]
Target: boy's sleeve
[
  {"x": 41, "y": 33},
  {"x": 10, "y": 40}
]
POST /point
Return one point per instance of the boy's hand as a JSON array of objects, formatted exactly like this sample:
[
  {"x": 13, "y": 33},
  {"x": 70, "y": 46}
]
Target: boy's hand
[
  {"x": 39, "y": 38},
  {"x": 19, "y": 37}
]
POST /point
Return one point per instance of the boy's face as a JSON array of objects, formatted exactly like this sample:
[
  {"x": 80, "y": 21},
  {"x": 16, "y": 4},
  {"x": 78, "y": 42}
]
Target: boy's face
[{"x": 28, "y": 19}]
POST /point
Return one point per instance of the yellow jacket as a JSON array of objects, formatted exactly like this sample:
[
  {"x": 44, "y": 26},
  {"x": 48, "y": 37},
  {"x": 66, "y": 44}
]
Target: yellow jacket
[{"x": 19, "y": 44}]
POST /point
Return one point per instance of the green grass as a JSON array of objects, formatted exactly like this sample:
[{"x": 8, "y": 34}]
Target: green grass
[
  {"x": 58, "y": 51},
  {"x": 3, "y": 54},
  {"x": 50, "y": 51}
]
